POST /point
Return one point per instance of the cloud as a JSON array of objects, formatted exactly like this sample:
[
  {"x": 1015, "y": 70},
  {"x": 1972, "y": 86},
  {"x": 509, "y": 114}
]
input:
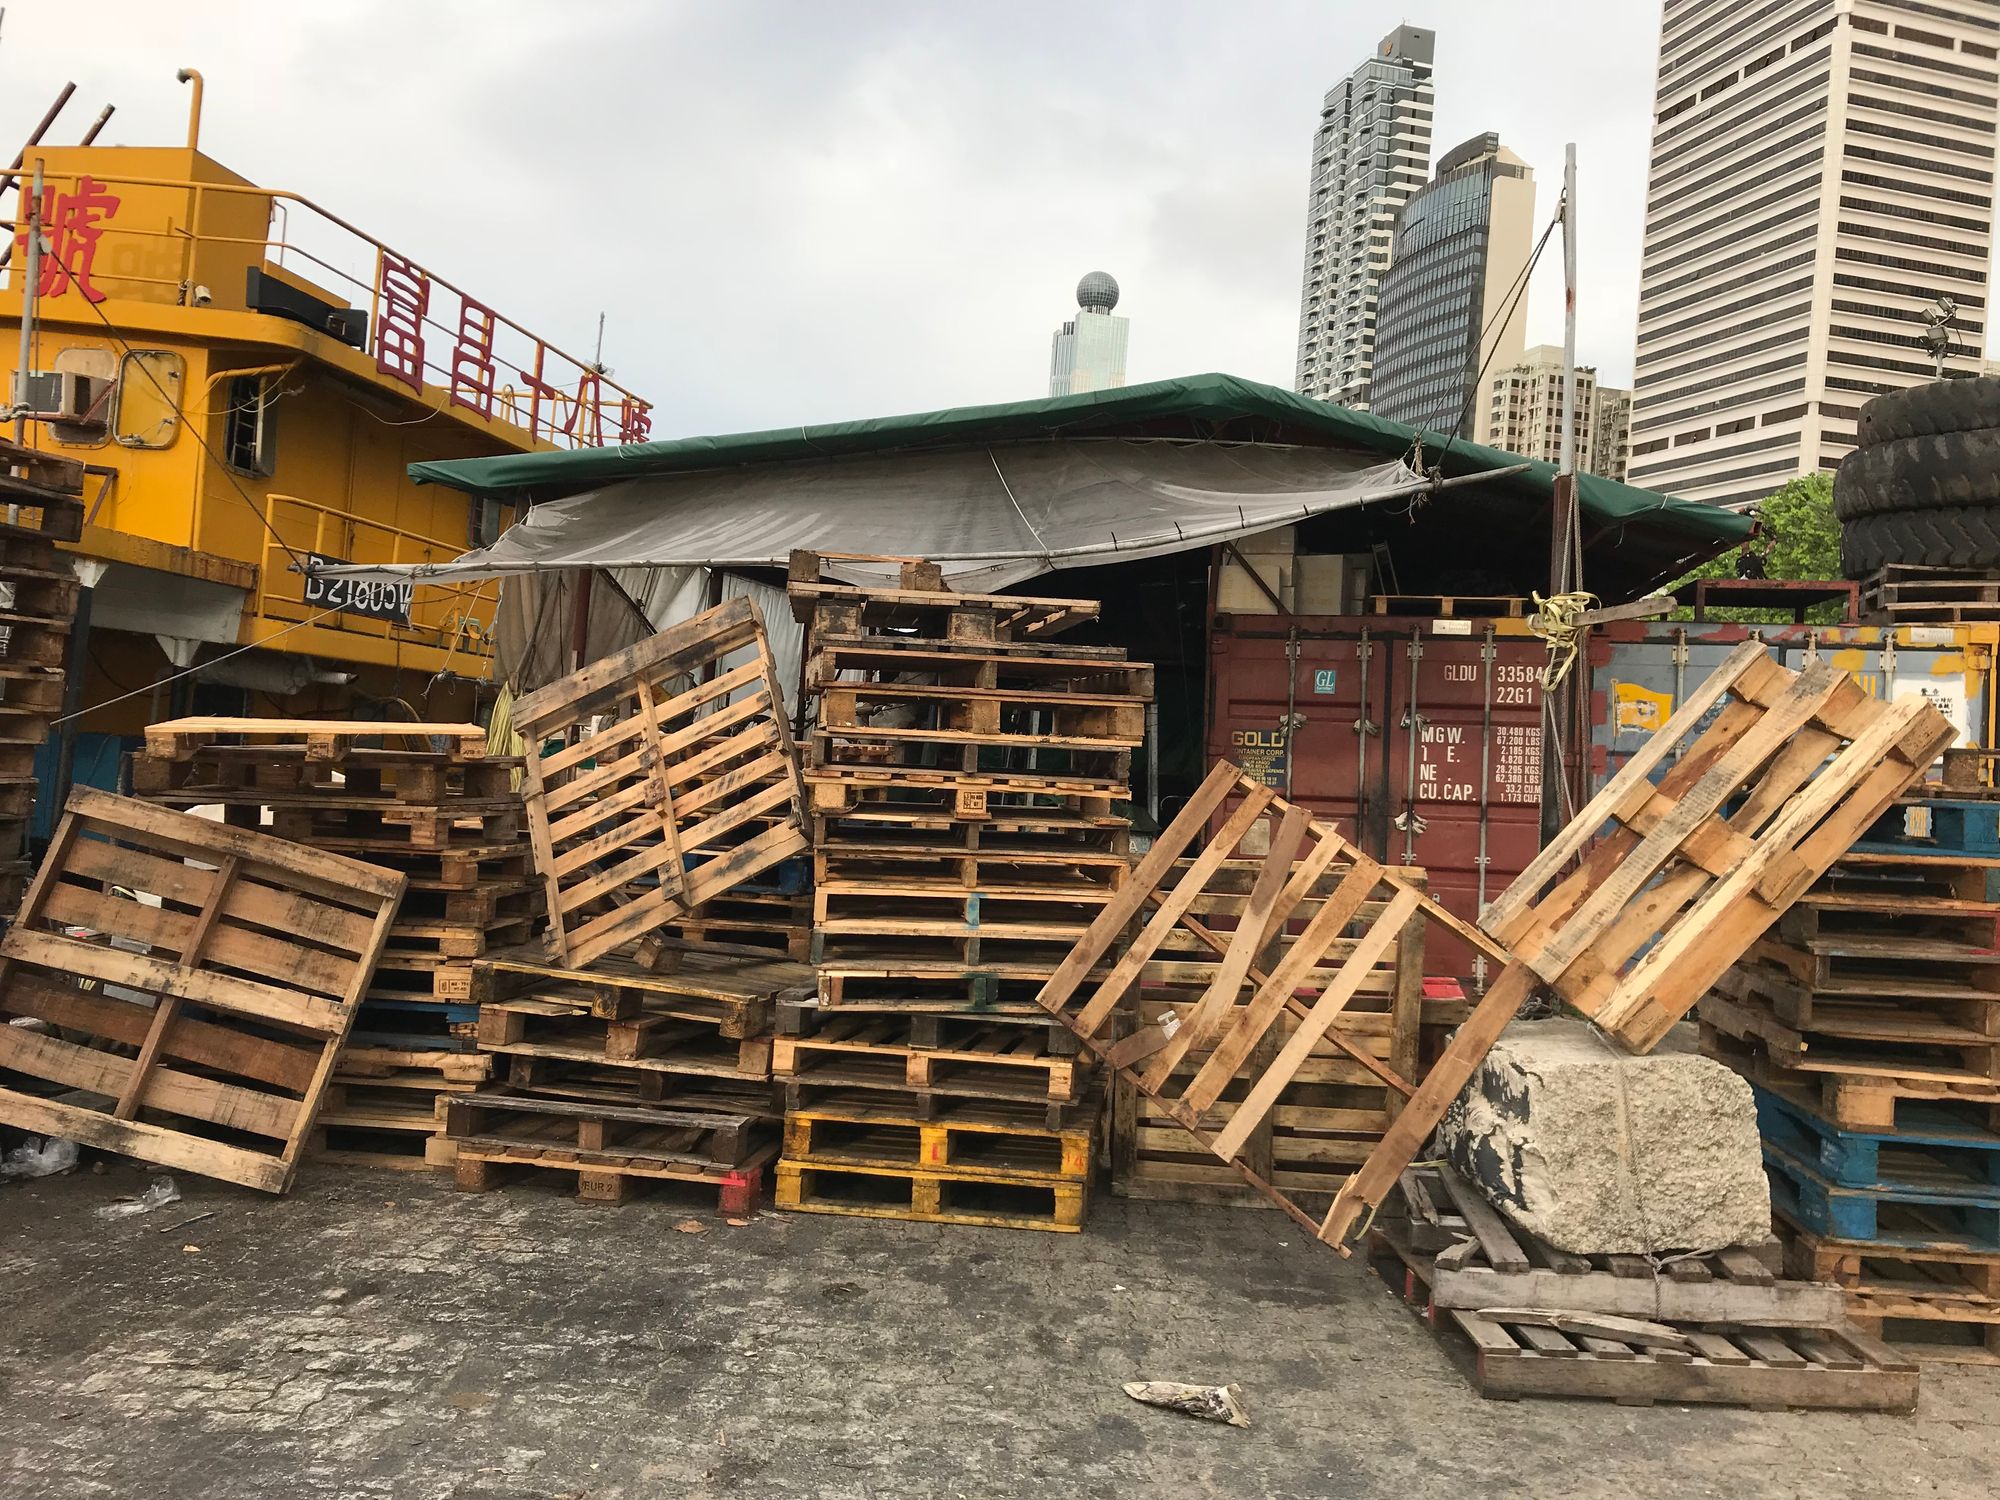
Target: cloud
[{"x": 794, "y": 212}]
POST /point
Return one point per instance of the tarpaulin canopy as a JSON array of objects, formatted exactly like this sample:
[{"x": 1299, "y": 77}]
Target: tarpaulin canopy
[{"x": 1012, "y": 490}]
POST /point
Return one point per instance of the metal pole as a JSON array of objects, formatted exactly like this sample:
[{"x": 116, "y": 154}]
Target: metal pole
[
  {"x": 1568, "y": 465},
  {"x": 30, "y": 290},
  {"x": 13, "y": 172},
  {"x": 1565, "y": 567}
]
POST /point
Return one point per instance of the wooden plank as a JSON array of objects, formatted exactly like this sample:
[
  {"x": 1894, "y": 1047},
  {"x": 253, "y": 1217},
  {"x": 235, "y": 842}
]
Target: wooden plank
[
  {"x": 282, "y": 1064},
  {"x": 1399, "y": 1145},
  {"x": 167, "y": 1148},
  {"x": 142, "y": 971},
  {"x": 1636, "y": 770},
  {"x": 1332, "y": 1000},
  {"x": 1151, "y": 870},
  {"x": 708, "y": 636},
  {"x": 166, "y": 1089},
  {"x": 1262, "y": 1009},
  {"x": 1254, "y": 929},
  {"x": 1503, "y": 1252}
]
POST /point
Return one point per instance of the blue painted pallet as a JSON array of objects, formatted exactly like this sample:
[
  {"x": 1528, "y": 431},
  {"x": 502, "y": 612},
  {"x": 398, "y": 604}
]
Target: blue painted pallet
[
  {"x": 1954, "y": 828},
  {"x": 1946, "y": 1221},
  {"x": 1930, "y": 1150}
]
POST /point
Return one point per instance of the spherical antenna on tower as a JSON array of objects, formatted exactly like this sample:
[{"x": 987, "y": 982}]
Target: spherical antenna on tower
[{"x": 1097, "y": 290}]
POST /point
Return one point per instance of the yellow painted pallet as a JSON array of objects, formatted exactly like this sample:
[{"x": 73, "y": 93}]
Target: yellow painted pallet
[{"x": 873, "y": 1192}]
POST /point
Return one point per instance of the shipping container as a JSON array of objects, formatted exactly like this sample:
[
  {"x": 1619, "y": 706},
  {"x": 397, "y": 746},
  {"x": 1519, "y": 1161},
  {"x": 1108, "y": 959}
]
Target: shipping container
[
  {"x": 1420, "y": 738},
  {"x": 1642, "y": 671}
]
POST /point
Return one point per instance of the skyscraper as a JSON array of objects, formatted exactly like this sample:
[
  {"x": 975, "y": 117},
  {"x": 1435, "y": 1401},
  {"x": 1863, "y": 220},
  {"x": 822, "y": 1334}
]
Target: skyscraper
[
  {"x": 1821, "y": 173},
  {"x": 1088, "y": 353},
  {"x": 1524, "y": 411},
  {"x": 1371, "y": 151},
  {"x": 1444, "y": 310}
]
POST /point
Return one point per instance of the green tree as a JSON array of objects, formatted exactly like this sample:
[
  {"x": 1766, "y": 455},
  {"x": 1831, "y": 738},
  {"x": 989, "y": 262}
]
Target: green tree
[{"x": 1800, "y": 540}]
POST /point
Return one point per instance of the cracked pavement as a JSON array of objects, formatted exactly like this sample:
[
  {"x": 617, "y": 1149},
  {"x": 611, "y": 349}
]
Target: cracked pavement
[{"x": 378, "y": 1334}]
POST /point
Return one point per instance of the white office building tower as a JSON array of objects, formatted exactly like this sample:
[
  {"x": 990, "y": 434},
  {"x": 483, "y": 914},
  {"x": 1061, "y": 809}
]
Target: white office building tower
[
  {"x": 1821, "y": 174},
  {"x": 1088, "y": 351},
  {"x": 1371, "y": 152}
]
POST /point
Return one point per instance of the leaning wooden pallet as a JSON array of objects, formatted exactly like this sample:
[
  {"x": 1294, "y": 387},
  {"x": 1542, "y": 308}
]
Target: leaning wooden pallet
[
  {"x": 1328, "y": 1119},
  {"x": 658, "y": 778},
  {"x": 236, "y": 984}
]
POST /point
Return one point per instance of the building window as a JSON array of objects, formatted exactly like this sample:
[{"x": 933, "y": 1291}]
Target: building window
[
  {"x": 489, "y": 519},
  {"x": 248, "y": 441}
]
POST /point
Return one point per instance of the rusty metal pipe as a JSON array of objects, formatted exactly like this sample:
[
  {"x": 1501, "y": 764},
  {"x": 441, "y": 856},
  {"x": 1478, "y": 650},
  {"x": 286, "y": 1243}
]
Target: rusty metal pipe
[{"x": 13, "y": 172}]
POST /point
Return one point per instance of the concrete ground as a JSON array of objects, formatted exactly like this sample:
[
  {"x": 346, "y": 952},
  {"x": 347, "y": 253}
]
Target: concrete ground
[{"x": 377, "y": 1334}]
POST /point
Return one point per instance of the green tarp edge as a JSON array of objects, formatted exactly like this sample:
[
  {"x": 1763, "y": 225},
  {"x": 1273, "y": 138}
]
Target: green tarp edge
[{"x": 1234, "y": 409}]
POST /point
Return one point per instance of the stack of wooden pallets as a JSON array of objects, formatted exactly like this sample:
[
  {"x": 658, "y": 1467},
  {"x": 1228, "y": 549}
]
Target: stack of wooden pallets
[
  {"x": 966, "y": 775},
  {"x": 1334, "y": 1109},
  {"x": 38, "y": 594},
  {"x": 1907, "y": 594},
  {"x": 1869, "y": 1022},
  {"x": 425, "y": 801},
  {"x": 620, "y": 1073}
]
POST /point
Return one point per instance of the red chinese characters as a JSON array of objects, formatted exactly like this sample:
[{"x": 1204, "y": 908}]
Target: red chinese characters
[
  {"x": 403, "y": 291},
  {"x": 635, "y": 420},
  {"x": 472, "y": 368},
  {"x": 71, "y": 226}
]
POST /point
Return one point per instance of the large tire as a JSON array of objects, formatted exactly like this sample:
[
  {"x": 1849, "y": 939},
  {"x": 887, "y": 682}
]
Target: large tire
[
  {"x": 1937, "y": 537},
  {"x": 1925, "y": 410},
  {"x": 1919, "y": 473}
]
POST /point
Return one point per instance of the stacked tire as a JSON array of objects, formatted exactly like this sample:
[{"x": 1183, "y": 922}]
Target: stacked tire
[{"x": 1924, "y": 485}]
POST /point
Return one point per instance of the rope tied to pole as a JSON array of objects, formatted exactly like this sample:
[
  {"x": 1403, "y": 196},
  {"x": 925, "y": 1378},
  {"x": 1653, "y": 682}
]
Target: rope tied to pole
[{"x": 1558, "y": 623}]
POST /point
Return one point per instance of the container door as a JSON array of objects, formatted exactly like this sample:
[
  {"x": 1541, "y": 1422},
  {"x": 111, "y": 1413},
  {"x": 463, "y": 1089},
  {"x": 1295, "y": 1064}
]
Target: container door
[{"x": 1463, "y": 752}]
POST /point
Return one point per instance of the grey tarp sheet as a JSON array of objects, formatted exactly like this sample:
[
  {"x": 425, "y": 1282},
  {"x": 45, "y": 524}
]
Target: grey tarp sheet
[{"x": 991, "y": 516}]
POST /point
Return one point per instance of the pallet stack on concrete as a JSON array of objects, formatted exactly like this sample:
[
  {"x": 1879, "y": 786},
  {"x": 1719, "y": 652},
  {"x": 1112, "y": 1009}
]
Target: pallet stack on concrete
[
  {"x": 966, "y": 775},
  {"x": 38, "y": 593},
  {"x": 1334, "y": 1110},
  {"x": 1869, "y": 1023},
  {"x": 623, "y": 1073},
  {"x": 423, "y": 800}
]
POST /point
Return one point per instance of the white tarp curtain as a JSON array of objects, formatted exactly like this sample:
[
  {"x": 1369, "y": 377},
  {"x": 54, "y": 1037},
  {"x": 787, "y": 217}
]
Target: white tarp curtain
[
  {"x": 991, "y": 517},
  {"x": 532, "y": 638}
]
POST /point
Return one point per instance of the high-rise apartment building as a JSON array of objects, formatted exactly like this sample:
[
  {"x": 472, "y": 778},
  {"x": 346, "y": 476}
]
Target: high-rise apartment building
[
  {"x": 1446, "y": 310},
  {"x": 1371, "y": 152},
  {"x": 1088, "y": 351},
  {"x": 1525, "y": 409},
  {"x": 1822, "y": 172}
]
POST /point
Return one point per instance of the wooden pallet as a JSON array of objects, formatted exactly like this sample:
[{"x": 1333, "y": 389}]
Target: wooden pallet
[
  {"x": 321, "y": 739},
  {"x": 620, "y": 1084},
  {"x": 736, "y": 993},
  {"x": 1931, "y": 1150},
  {"x": 1248, "y": 991},
  {"x": 506, "y": 1119},
  {"x": 1930, "y": 1304},
  {"x": 660, "y": 796},
  {"x": 993, "y": 1061},
  {"x": 226, "y": 771},
  {"x": 994, "y": 1200},
  {"x": 945, "y": 990},
  {"x": 230, "y": 1069},
  {"x": 971, "y": 1139},
  {"x": 1856, "y": 1096},
  {"x": 395, "y": 1121},
  {"x": 1481, "y": 1262},
  {"x": 1505, "y": 606},
  {"x": 1789, "y": 773},
  {"x": 1518, "y": 1352},
  {"x": 1944, "y": 1218},
  {"x": 608, "y": 1177},
  {"x": 937, "y": 1030},
  {"x": 916, "y": 603},
  {"x": 1851, "y": 1037},
  {"x": 534, "y": 1028},
  {"x": 968, "y": 805}
]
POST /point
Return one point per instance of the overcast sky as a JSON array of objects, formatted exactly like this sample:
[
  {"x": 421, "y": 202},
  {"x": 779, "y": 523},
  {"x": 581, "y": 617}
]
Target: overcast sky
[{"x": 802, "y": 212}]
